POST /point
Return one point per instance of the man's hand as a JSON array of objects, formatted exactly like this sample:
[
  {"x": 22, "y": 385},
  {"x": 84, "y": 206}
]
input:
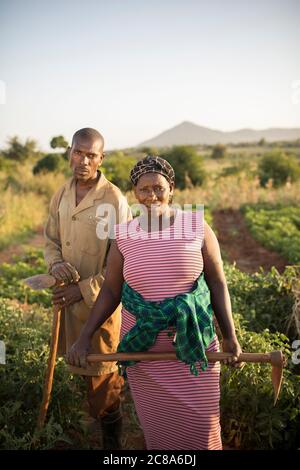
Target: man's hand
[
  {"x": 66, "y": 296},
  {"x": 232, "y": 345},
  {"x": 78, "y": 352},
  {"x": 65, "y": 272}
]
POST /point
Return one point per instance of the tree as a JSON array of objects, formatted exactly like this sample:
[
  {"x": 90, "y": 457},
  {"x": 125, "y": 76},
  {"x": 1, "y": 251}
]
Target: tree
[
  {"x": 20, "y": 152},
  {"x": 150, "y": 150},
  {"x": 58, "y": 142},
  {"x": 279, "y": 168},
  {"x": 219, "y": 151},
  {"x": 50, "y": 163},
  {"x": 262, "y": 142},
  {"x": 187, "y": 164},
  {"x": 116, "y": 167}
]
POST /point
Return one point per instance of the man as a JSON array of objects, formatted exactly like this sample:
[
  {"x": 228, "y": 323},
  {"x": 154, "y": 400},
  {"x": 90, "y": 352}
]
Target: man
[{"x": 76, "y": 255}]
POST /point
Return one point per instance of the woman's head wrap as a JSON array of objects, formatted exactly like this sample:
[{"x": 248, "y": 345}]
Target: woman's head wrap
[{"x": 153, "y": 164}]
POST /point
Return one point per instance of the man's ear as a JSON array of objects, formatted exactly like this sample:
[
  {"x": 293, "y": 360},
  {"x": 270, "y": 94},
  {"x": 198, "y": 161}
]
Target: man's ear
[{"x": 102, "y": 158}]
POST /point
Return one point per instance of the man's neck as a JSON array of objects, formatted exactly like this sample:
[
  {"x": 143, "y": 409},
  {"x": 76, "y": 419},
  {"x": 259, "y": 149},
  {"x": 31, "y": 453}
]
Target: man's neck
[{"x": 89, "y": 183}]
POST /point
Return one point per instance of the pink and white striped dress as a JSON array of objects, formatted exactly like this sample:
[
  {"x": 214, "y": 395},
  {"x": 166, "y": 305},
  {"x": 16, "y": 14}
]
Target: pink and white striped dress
[{"x": 176, "y": 409}]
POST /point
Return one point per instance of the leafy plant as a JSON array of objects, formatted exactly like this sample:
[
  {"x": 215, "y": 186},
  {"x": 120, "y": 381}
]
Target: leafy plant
[
  {"x": 12, "y": 276},
  {"x": 276, "y": 227},
  {"x": 279, "y": 168},
  {"x": 21, "y": 381},
  {"x": 249, "y": 419}
]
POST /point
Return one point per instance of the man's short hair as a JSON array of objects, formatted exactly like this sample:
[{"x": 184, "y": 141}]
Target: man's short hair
[{"x": 87, "y": 133}]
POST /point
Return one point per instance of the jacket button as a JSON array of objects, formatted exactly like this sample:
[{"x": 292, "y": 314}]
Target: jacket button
[{"x": 68, "y": 243}]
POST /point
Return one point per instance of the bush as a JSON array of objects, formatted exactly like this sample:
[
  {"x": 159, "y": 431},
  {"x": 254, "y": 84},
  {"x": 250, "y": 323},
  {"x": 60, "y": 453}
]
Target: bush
[
  {"x": 248, "y": 418},
  {"x": 279, "y": 168},
  {"x": 53, "y": 162},
  {"x": 117, "y": 167},
  {"x": 219, "y": 151},
  {"x": 188, "y": 166},
  {"x": 265, "y": 300},
  {"x": 12, "y": 275},
  {"x": 58, "y": 142},
  {"x": 18, "y": 152},
  {"x": 21, "y": 384}
]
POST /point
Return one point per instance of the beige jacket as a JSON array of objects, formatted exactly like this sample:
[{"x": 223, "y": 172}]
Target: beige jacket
[{"x": 71, "y": 236}]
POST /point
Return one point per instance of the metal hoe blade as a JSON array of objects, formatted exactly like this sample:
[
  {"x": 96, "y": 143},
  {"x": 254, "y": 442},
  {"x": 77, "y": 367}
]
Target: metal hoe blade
[
  {"x": 40, "y": 281},
  {"x": 277, "y": 361}
]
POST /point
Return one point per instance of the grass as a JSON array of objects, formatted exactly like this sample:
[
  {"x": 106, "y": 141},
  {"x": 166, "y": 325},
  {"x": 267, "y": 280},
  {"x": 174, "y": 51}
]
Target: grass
[{"x": 20, "y": 214}]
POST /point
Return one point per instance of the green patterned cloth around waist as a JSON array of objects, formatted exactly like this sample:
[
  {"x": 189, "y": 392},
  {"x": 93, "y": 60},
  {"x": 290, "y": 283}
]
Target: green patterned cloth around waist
[{"x": 190, "y": 313}]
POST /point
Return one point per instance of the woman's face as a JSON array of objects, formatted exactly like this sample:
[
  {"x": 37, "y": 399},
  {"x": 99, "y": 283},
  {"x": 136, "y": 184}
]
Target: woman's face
[{"x": 153, "y": 191}]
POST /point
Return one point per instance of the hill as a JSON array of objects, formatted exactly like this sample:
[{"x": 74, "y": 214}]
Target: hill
[{"x": 188, "y": 133}]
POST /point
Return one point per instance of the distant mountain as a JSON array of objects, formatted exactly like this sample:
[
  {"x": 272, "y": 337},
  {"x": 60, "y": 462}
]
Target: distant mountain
[{"x": 188, "y": 133}]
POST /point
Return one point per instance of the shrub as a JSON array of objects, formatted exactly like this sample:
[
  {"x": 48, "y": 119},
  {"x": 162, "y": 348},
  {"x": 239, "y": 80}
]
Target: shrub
[
  {"x": 53, "y": 162},
  {"x": 265, "y": 300},
  {"x": 248, "y": 418},
  {"x": 12, "y": 275},
  {"x": 21, "y": 384},
  {"x": 219, "y": 151},
  {"x": 117, "y": 167},
  {"x": 188, "y": 166},
  {"x": 279, "y": 168},
  {"x": 18, "y": 152}
]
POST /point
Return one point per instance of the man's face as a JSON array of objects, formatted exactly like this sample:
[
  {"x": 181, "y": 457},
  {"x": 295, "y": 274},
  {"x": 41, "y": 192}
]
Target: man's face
[{"x": 86, "y": 155}]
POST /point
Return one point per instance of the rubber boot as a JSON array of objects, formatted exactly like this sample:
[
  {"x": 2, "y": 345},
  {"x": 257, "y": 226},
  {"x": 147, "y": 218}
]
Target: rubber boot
[{"x": 112, "y": 430}]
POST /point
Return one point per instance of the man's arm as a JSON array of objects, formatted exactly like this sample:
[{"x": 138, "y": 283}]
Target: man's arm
[
  {"x": 60, "y": 269},
  {"x": 91, "y": 286},
  {"x": 107, "y": 301},
  {"x": 53, "y": 253}
]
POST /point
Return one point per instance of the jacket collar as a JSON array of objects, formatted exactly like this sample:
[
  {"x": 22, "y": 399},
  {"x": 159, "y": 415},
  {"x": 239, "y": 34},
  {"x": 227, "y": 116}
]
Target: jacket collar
[{"x": 96, "y": 192}]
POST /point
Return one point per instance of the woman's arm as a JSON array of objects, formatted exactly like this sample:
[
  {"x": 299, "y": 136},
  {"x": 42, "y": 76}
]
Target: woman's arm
[
  {"x": 220, "y": 299},
  {"x": 106, "y": 303}
]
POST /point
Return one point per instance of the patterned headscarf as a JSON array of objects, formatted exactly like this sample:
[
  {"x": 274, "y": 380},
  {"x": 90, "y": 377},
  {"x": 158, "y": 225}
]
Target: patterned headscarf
[{"x": 152, "y": 164}]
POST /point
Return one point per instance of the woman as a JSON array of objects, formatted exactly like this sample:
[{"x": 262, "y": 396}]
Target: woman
[{"x": 160, "y": 266}]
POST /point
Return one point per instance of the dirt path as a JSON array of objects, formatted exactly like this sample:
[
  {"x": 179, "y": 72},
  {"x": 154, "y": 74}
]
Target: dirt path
[
  {"x": 37, "y": 241},
  {"x": 239, "y": 246}
]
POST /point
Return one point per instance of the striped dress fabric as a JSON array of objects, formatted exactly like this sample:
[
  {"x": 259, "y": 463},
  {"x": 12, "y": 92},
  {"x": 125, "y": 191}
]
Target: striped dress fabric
[{"x": 177, "y": 410}]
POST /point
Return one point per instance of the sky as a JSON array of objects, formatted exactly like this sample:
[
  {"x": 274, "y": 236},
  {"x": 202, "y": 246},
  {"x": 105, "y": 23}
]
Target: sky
[{"x": 132, "y": 69}]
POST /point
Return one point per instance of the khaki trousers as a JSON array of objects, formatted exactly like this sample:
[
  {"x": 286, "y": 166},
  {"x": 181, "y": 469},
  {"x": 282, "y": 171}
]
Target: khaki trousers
[{"x": 104, "y": 393}]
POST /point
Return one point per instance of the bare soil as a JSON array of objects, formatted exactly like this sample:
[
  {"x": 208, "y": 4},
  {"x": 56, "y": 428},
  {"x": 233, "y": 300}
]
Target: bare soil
[
  {"x": 239, "y": 246},
  {"x": 36, "y": 241}
]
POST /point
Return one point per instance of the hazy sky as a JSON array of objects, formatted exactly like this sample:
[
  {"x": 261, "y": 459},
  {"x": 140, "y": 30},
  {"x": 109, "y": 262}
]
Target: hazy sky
[{"x": 133, "y": 69}]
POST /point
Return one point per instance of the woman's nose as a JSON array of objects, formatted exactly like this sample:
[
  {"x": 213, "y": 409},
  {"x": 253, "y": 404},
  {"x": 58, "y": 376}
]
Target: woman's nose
[{"x": 152, "y": 194}]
